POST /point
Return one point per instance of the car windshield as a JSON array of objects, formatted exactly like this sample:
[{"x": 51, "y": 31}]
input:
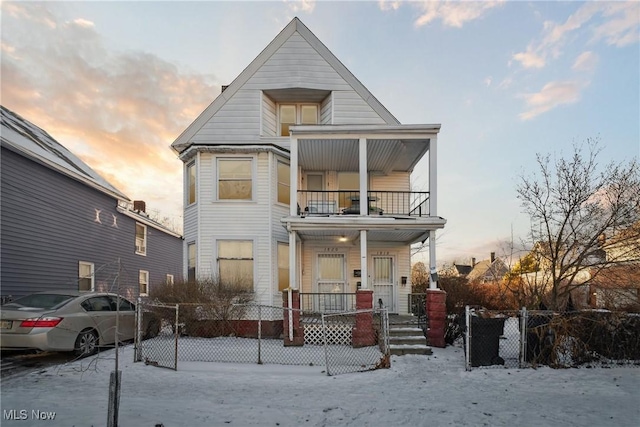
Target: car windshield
[{"x": 44, "y": 301}]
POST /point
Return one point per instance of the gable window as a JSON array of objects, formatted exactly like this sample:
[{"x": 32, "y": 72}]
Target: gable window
[
  {"x": 143, "y": 281},
  {"x": 283, "y": 266},
  {"x": 296, "y": 114},
  {"x": 284, "y": 183},
  {"x": 235, "y": 179},
  {"x": 191, "y": 183},
  {"x": 191, "y": 262},
  {"x": 141, "y": 239},
  {"x": 235, "y": 262},
  {"x": 85, "y": 276}
]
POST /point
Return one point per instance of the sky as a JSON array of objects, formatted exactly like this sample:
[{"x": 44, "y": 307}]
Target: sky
[
  {"x": 416, "y": 391},
  {"x": 117, "y": 82}
]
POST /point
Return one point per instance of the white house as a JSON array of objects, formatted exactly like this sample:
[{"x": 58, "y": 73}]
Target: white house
[{"x": 275, "y": 170}]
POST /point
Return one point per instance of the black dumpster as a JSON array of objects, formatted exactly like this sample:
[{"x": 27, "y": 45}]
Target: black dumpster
[{"x": 485, "y": 341}]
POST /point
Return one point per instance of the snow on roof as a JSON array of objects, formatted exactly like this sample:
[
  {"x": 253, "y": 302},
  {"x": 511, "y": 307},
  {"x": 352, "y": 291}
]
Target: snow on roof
[{"x": 34, "y": 142}]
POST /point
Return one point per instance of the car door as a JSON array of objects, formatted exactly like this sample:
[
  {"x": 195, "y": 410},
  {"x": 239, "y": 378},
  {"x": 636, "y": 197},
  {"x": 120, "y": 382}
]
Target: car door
[
  {"x": 102, "y": 317},
  {"x": 127, "y": 323}
]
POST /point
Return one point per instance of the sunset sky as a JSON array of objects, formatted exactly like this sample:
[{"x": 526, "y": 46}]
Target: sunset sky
[{"x": 117, "y": 82}]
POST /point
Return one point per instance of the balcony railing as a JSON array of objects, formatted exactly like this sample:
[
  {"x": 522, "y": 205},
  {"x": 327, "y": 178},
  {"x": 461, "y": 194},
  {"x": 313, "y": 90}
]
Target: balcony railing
[
  {"x": 327, "y": 302},
  {"x": 401, "y": 203}
]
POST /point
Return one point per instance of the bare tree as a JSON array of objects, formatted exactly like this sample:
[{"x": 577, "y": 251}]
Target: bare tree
[{"x": 584, "y": 218}]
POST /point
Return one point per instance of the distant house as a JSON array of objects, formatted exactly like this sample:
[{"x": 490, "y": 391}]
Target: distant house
[
  {"x": 65, "y": 227},
  {"x": 296, "y": 176},
  {"x": 488, "y": 270},
  {"x": 457, "y": 270}
]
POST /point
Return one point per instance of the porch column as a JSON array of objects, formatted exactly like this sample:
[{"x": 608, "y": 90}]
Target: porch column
[
  {"x": 293, "y": 178},
  {"x": 433, "y": 176},
  {"x": 433, "y": 284},
  {"x": 437, "y": 315},
  {"x": 364, "y": 198},
  {"x": 364, "y": 275},
  {"x": 293, "y": 267}
]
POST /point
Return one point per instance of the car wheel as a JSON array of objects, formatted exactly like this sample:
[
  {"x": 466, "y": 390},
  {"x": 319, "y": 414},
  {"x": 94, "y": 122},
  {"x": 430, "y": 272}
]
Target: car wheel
[{"x": 86, "y": 343}]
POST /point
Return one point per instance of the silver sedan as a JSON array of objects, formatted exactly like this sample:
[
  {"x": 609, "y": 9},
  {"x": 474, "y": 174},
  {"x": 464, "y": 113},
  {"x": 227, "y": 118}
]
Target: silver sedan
[{"x": 70, "y": 321}]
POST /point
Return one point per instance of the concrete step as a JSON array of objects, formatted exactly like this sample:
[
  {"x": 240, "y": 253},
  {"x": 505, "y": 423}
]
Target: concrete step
[
  {"x": 402, "y": 349},
  {"x": 405, "y": 331},
  {"x": 408, "y": 340}
]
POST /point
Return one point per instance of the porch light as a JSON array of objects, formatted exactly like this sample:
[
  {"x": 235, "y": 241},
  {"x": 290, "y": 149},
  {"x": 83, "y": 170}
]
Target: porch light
[{"x": 342, "y": 238}]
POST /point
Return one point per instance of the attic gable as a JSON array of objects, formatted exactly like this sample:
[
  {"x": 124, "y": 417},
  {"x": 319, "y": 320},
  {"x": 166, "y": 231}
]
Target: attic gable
[{"x": 309, "y": 65}]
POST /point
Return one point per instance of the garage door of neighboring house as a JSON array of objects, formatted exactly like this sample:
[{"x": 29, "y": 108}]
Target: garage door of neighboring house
[
  {"x": 383, "y": 279},
  {"x": 331, "y": 282}
]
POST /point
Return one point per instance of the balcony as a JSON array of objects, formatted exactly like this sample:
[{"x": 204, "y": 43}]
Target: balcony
[{"x": 387, "y": 203}]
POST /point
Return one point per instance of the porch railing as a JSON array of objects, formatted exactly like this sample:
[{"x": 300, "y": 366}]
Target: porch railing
[
  {"x": 418, "y": 308},
  {"x": 402, "y": 203},
  {"x": 327, "y": 302}
]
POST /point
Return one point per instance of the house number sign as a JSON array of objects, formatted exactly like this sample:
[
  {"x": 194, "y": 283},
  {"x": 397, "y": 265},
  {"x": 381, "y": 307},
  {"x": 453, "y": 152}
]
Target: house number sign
[
  {"x": 331, "y": 249},
  {"x": 382, "y": 253}
]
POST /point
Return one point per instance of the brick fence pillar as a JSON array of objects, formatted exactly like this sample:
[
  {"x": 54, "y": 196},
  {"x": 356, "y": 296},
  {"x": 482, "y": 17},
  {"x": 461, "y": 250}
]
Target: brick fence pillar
[
  {"x": 437, "y": 315},
  {"x": 298, "y": 330},
  {"x": 363, "y": 332}
]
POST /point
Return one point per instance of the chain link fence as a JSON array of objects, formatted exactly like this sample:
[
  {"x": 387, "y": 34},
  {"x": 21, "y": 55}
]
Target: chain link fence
[
  {"x": 522, "y": 339},
  {"x": 251, "y": 333}
]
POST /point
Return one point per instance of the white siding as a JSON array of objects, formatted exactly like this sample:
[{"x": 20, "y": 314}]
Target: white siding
[
  {"x": 237, "y": 120},
  {"x": 350, "y": 108},
  {"x": 326, "y": 110},
  {"x": 395, "y": 181},
  {"x": 269, "y": 123}
]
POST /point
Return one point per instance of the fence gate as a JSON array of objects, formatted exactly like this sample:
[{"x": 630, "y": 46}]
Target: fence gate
[{"x": 157, "y": 332}]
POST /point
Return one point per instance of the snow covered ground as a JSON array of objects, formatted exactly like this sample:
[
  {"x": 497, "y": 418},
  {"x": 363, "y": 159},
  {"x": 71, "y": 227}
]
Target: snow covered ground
[{"x": 417, "y": 391}]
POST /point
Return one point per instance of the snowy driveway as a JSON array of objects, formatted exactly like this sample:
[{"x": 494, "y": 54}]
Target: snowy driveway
[{"x": 417, "y": 391}]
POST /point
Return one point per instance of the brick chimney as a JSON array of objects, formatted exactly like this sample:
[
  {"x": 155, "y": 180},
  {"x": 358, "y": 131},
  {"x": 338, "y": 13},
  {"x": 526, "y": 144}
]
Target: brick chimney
[
  {"x": 493, "y": 257},
  {"x": 473, "y": 262},
  {"x": 140, "y": 206}
]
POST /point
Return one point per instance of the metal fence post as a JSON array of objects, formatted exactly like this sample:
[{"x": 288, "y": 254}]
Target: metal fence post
[
  {"x": 290, "y": 301},
  {"x": 523, "y": 337},
  {"x": 137, "y": 350},
  {"x": 175, "y": 363},
  {"x": 324, "y": 341},
  {"x": 467, "y": 338},
  {"x": 259, "y": 335}
]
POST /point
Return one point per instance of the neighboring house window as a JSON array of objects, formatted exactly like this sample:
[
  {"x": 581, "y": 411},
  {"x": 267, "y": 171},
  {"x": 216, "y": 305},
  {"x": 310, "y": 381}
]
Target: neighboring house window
[
  {"x": 235, "y": 262},
  {"x": 169, "y": 279},
  {"x": 296, "y": 114},
  {"x": 283, "y": 266},
  {"x": 85, "y": 276},
  {"x": 144, "y": 283},
  {"x": 235, "y": 179},
  {"x": 191, "y": 263},
  {"x": 191, "y": 183},
  {"x": 284, "y": 183},
  {"x": 141, "y": 239}
]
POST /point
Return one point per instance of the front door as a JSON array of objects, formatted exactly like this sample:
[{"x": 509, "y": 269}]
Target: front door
[
  {"x": 383, "y": 279},
  {"x": 331, "y": 283}
]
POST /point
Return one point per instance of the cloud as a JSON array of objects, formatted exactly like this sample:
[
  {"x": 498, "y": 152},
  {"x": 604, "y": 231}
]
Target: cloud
[
  {"x": 451, "y": 13},
  {"x": 306, "y": 6},
  {"x": 552, "y": 95},
  {"x": 620, "y": 27},
  {"x": 586, "y": 61},
  {"x": 487, "y": 81},
  {"x": 118, "y": 111}
]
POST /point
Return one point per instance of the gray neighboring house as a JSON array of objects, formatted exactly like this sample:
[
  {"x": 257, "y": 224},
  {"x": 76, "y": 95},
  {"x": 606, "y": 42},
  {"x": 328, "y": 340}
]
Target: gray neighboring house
[{"x": 63, "y": 226}]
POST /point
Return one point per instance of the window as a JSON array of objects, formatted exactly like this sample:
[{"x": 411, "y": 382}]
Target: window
[
  {"x": 85, "y": 276},
  {"x": 169, "y": 279},
  {"x": 235, "y": 179},
  {"x": 296, "y": 114},
  {"x": 102, "y": 303},
  {"x": 144, "y": 283},
  {"x": 141, "y": 239},
  {"x": 283, "y": 266},
  {"x": 284, "y": 183},
  {"x": 235, "y": 262},
  {"x": 191, "y": 183},
  {"x": 191, "y": 263}
]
